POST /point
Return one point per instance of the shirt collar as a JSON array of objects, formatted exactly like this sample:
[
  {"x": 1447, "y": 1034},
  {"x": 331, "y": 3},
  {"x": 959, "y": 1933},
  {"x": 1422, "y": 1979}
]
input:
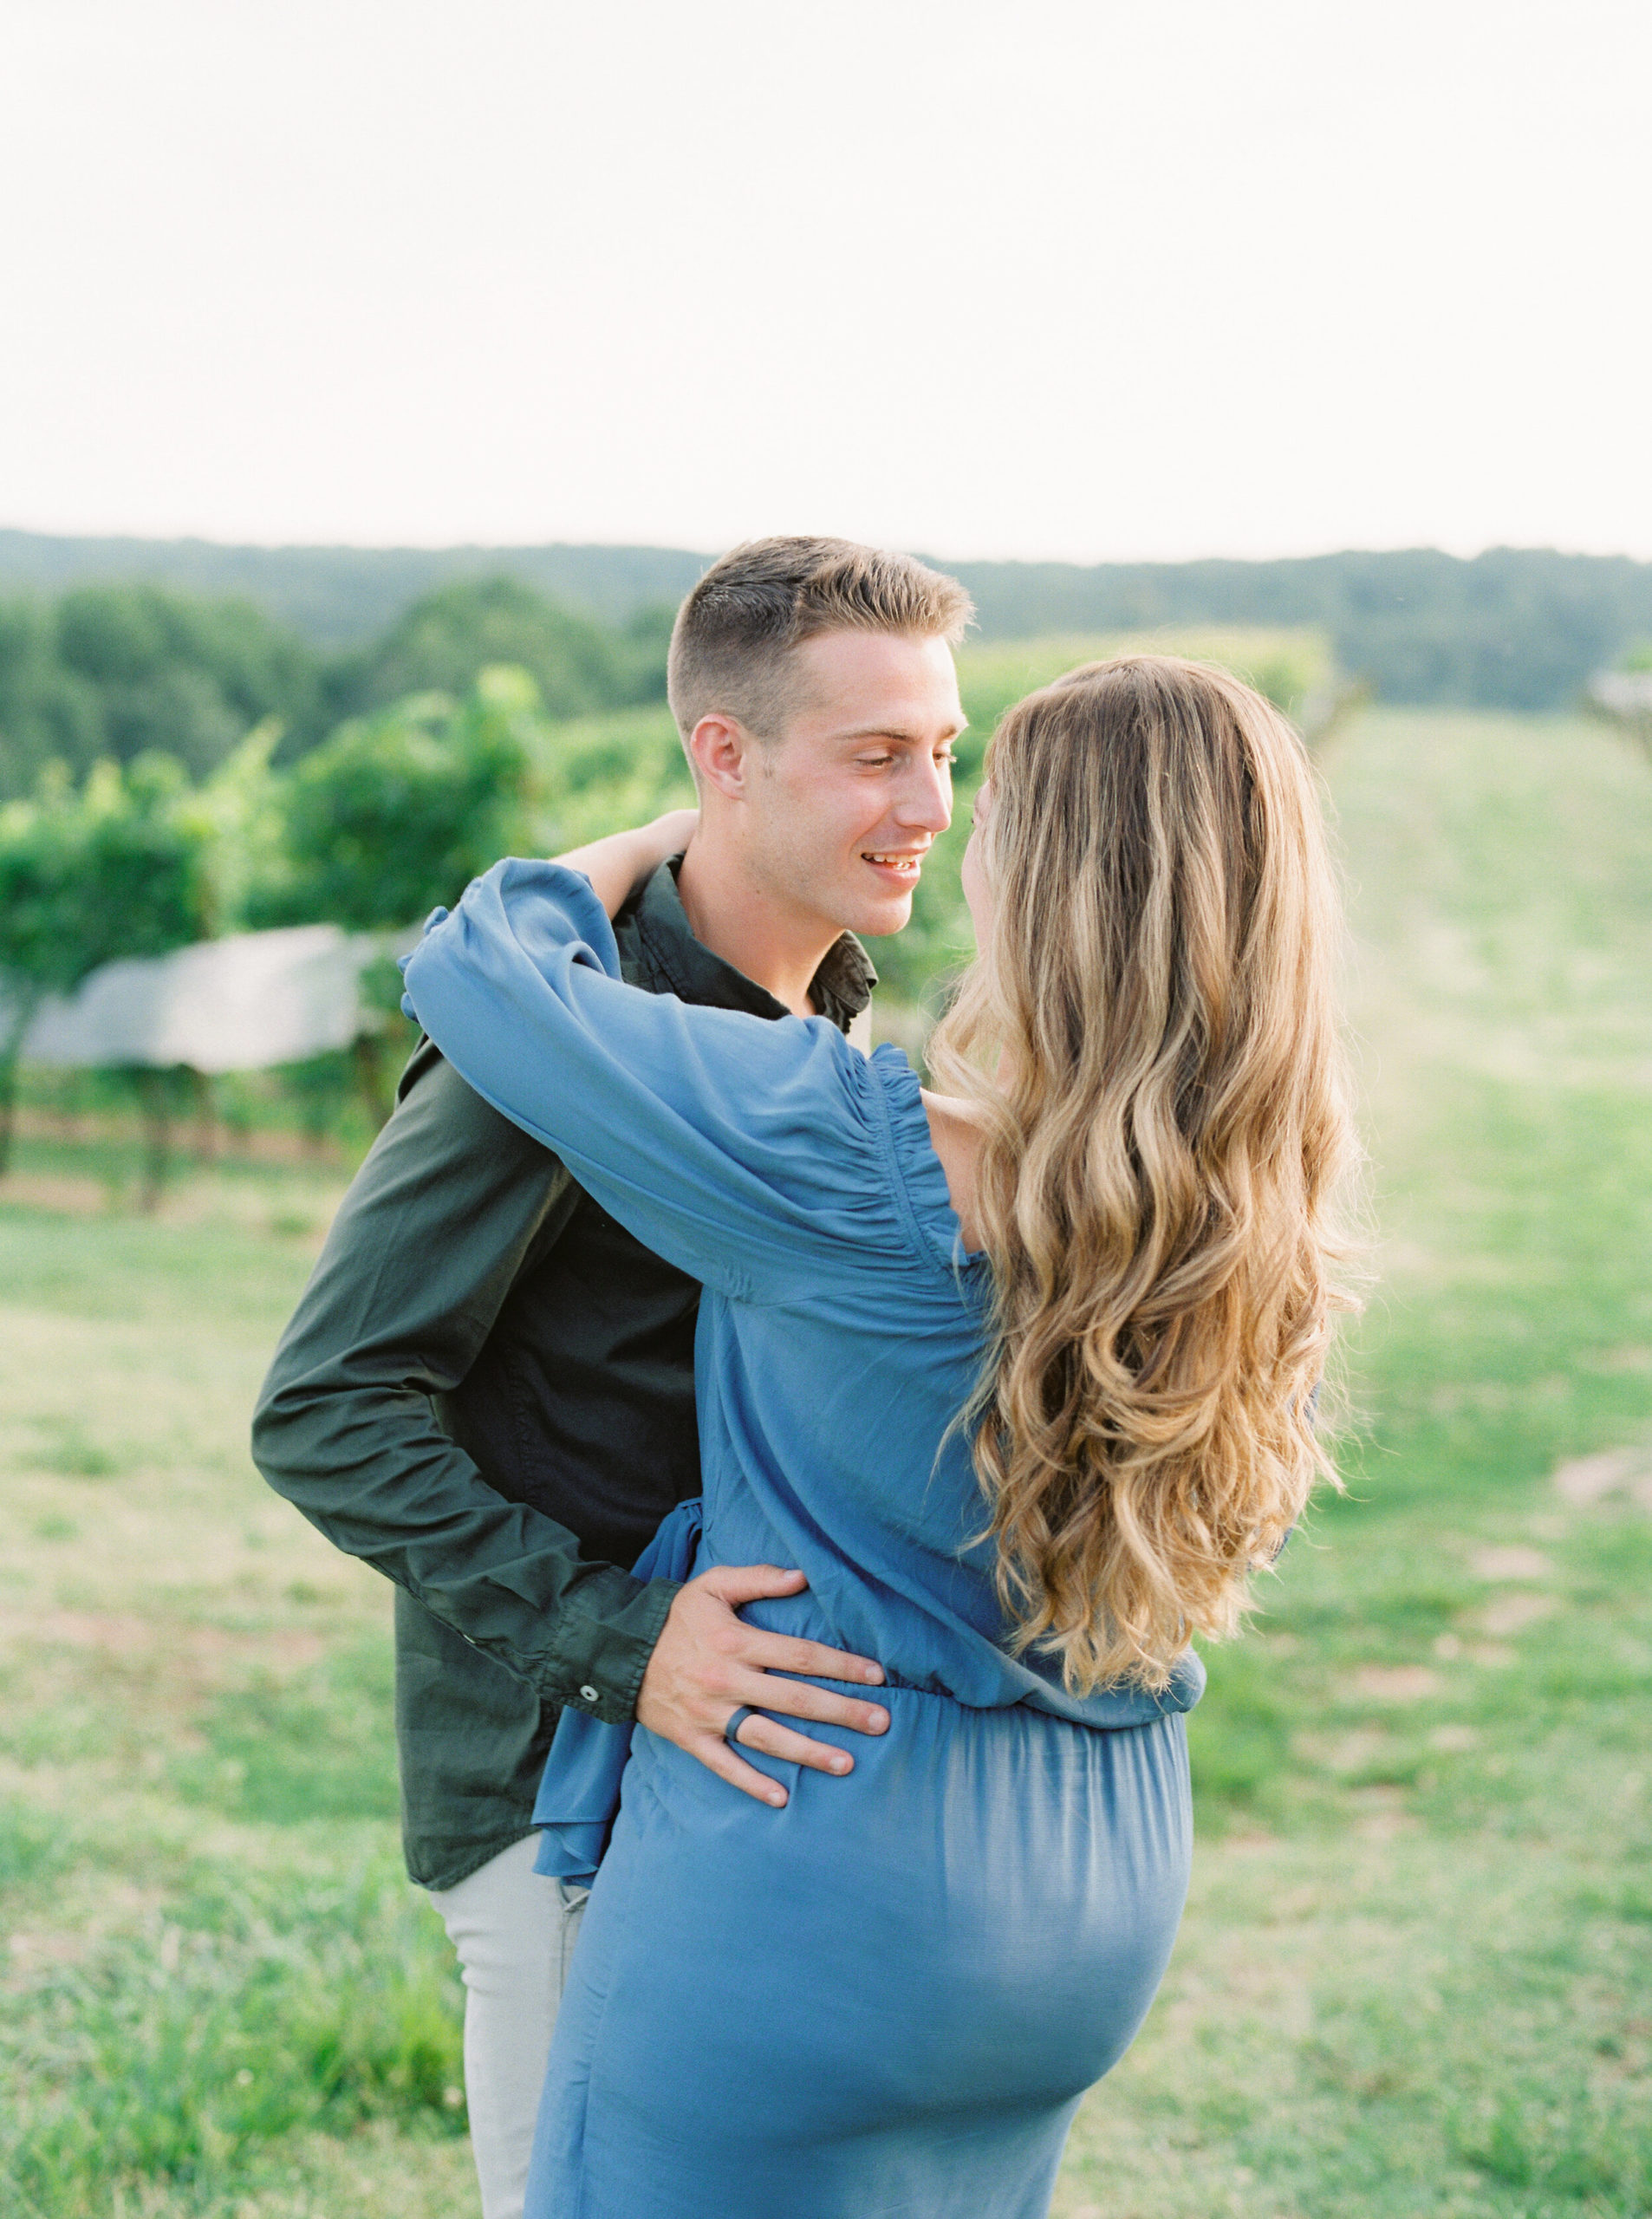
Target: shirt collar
[{"x": 669, "y": 952}]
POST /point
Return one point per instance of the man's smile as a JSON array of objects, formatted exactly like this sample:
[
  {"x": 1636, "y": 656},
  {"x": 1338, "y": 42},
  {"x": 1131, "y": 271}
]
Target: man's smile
[{"x": 902, "y": 864}]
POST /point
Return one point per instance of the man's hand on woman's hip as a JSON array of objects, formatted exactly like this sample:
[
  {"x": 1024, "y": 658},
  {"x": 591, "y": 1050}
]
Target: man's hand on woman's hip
[{"x": 708, "y": 1664}]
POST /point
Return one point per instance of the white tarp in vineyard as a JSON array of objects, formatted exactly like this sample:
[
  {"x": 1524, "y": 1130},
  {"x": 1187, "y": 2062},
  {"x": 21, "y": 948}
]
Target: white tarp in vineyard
[
  {"x": 1624, "y": 693},
  {"x": 231, "y": 1005}
]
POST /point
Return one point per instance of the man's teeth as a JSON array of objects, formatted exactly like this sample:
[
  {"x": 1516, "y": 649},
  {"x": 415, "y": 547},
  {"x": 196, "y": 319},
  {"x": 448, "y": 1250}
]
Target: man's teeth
[{"x": 895, "y": 863}]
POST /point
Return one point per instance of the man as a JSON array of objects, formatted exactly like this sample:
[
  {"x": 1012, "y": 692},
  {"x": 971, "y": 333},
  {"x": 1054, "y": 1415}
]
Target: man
[{"x": 487, "y": 1390}]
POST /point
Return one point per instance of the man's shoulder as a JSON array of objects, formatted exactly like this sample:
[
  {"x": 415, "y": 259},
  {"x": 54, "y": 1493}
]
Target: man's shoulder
[{"x": 438, "y": 1112}]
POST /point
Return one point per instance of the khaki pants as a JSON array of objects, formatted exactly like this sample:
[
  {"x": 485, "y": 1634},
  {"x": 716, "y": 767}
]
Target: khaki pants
[{"x": 514, "y": 1930}]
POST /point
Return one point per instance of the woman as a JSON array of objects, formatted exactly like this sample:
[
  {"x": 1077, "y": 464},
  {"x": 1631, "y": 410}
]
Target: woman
[{"x": 1019, "y": 1376}]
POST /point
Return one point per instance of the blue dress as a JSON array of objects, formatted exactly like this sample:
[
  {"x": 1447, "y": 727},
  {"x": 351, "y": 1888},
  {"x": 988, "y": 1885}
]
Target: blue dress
[{"x": 888, "y": 1997}]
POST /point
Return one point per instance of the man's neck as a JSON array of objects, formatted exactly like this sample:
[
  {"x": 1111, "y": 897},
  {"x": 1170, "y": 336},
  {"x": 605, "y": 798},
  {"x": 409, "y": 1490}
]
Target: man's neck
[{"x": 774, "y": 946}]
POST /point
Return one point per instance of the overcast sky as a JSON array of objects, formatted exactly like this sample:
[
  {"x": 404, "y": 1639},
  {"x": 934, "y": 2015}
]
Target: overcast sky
[{"x": 1051, "y": 277}]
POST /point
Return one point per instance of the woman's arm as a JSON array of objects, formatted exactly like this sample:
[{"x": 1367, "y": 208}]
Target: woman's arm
[
  {"x": 747, "y": 1150},
  {"x": 620, "y": 864}
]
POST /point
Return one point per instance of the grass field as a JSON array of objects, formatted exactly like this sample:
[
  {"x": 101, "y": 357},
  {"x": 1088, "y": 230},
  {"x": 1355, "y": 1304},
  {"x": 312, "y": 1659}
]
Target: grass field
[{"x": 1416, "y": 1973}]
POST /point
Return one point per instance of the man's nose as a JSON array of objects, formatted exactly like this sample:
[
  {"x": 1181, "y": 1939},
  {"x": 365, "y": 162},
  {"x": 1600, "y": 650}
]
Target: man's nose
[{"x": 926, "y": 803}]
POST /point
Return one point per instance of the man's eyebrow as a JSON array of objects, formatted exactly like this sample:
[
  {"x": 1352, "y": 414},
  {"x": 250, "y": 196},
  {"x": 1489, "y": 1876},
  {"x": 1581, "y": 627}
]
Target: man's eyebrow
[{"x": 899, "y": 732}]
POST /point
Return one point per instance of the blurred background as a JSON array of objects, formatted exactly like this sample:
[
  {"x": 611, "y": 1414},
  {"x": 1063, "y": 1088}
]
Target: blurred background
[{"x": 374, "y": 383}]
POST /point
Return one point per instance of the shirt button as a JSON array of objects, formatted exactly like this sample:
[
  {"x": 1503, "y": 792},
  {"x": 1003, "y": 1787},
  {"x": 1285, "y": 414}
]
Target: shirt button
[{"x": 588, "y": 1695}]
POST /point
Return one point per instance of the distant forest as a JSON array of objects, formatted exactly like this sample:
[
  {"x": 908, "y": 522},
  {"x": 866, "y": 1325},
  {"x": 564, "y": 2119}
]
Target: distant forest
[
  {"x": 206, "y": 638},
  {"x": 115, "y": 672}
]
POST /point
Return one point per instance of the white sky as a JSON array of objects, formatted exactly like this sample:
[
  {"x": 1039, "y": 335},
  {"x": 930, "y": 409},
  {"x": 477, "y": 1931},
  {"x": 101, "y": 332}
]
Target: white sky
[{"x": 1086, "y": 278}]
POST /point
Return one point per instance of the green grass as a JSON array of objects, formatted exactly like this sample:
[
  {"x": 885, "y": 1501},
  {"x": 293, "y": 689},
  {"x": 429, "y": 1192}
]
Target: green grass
[
  {"x": 222, "y": 1996},
  {"x": 259, "y": 2003},
  {"x": 1414, "y": 1974}
]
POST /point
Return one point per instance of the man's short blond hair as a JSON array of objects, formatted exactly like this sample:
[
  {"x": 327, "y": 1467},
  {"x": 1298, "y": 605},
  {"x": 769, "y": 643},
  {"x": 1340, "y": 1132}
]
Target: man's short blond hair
[{"x": 732, "y": 645}]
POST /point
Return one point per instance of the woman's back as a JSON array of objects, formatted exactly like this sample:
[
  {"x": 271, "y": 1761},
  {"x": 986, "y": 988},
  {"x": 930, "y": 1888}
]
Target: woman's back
[
  {"x": 844, "y": 1327},
  {"x": 829, "y": 1432}
]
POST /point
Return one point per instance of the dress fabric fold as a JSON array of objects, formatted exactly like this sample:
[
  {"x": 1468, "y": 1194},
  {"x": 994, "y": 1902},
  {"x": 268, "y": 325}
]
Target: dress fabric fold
[{"x": 579, "y": 1790}]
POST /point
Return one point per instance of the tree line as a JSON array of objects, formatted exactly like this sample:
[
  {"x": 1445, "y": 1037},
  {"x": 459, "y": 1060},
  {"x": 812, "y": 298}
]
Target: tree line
[
  {"x": 1513, "y": 628},
  {"x": 1519, "y": 629},
  {"x": 110, "y": 673}
]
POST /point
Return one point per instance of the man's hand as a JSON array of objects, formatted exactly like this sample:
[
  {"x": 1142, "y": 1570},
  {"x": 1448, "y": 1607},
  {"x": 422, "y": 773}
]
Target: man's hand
[{"x": 707, "y": 1664}]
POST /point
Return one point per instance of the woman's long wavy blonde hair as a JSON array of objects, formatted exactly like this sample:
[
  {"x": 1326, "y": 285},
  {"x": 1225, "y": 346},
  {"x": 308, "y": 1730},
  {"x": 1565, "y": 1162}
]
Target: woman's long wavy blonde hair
[{"x": 1151, "y": 1036}]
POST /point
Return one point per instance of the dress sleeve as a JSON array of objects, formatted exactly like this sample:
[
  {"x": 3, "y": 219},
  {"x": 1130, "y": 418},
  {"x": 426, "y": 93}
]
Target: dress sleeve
[{"x": 749, "y": 1151}]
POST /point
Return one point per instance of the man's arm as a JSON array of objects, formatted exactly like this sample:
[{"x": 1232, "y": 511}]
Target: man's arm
[
  {"x": 451, "y": 1205},
  {"x": 447, "y": 1210}
]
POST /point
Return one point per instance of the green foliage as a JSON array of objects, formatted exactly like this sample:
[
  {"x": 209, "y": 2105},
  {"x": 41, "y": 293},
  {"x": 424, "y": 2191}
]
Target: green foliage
[
  {"x": 1513, "y": 627},
  {"x": 134, "y": 862},
  {"x": 443, "y": 642},
  {"x": 645, "y": 640},
  {"x": 119, "y": 671},
  {"x": 399, "y": 810},
  {"x": 41, "y": 856},
  {"x": 344, "y": 597},
  {"x": 47, "y": 713},
  {"x": 1296, "y": 669},
  {"x": 144, "y": 880},
  {"x": 599, "y": 774},
  {"x": 117, "y": 867},
  {"x": 133, "y": 636},
  {"x": 122, "y": 671}
]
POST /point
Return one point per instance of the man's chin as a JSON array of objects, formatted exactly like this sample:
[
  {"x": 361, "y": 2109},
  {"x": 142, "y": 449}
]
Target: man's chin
[{"x": 882, "y": 920}]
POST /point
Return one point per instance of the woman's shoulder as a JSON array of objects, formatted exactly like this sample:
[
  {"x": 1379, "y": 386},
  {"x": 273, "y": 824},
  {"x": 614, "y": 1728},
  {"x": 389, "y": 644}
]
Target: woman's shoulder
[
  {"x": 956, "y": 1130},
  {"x": 929, "y": 1156}
]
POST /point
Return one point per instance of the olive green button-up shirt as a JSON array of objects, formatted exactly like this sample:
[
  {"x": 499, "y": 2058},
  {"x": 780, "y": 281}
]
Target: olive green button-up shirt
[{"x": 487, "y": 1393}]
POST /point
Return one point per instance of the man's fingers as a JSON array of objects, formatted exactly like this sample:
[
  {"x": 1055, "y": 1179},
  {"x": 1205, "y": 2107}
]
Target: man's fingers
[
  {"x": 781, "y": 1652},
  {"x": 739, "y": 1584},
  {"x": 757, "y": 1732},
  {"x": 735, "y": 1583},
  {"x": 716, "y": 1755},
  {"x": 801, "y": 1699}
]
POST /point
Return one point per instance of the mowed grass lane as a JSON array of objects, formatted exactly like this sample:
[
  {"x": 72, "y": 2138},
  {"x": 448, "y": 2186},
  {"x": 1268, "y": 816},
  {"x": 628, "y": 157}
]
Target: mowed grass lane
[{"x": 1414, "y": 1973}]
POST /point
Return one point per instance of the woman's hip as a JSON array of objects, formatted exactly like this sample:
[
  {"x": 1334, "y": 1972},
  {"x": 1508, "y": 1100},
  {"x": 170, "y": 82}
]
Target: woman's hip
[{"x": 981, "y": 1875}]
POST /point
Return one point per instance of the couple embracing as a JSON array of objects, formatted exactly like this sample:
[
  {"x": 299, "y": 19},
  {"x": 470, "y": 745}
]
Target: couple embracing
[{"x": 939, "y": 1420}]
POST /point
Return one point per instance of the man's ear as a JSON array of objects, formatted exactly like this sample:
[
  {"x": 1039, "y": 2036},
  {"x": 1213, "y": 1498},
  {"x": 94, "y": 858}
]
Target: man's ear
[{"x": 721, "y": 751}]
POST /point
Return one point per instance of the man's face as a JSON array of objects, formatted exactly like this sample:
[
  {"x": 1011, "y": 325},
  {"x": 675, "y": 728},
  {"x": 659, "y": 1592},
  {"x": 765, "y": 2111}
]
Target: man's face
[{"x": 844, "y": 805}]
